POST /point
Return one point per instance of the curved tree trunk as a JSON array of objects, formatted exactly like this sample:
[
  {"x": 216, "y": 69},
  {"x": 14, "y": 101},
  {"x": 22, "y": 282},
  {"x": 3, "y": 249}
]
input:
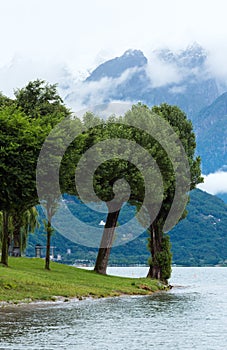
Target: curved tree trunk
[
  {"x": 5, "y": 238},
  {"x": 107, "y": 240}
]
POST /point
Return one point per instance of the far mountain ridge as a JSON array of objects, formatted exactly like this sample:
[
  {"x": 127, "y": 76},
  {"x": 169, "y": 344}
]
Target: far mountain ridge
[
  {"x": 183, "y": 80},
  {"x": 193, "y": 56},
  {"x": 115, "y": 67}
]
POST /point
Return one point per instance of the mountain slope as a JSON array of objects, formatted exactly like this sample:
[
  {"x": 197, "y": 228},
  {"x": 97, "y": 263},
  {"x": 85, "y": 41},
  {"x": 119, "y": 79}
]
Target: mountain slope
[
  {"x": 211, "y": 130},
  {"x": 198, "y": 240}
]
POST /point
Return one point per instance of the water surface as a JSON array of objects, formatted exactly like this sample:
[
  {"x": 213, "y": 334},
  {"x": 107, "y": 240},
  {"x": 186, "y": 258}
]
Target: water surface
[{"x": 193, "y": 315}]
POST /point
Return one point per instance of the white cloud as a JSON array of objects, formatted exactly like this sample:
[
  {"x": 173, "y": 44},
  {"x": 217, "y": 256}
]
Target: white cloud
[
  {"x": 105, "y": 110},
  {"x": 216, "y": 61},
  {"x": 92, "y": 93},
  {"x": 214, "y": 183},
  {"x": 80, "y": 34},
  {"x": 178, "y": 89},
  {"x": 75, "y": 31},
  {"x": 20, "y": 71},
  {"x": 162, "y": 73}
]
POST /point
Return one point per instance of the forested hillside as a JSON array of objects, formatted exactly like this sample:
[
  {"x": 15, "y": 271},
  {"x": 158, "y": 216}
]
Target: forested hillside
[{"x": 200, "y": 239}]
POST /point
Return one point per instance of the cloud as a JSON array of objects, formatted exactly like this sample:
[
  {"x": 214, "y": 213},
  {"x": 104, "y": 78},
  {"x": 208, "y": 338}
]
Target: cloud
[
  {"x": 92, "y": 93},
  {"x": 167, "y": 67},
  {"x": 75, "y": 31},
  {"x": 20, "y": 71},
  {"x": 162, "y": 73},
  {"x": 216, "y": 63},
  {"x": 71, "y": 85},
  {"x": 214, "y": 183},
  {"x": 178, "y": 89}
]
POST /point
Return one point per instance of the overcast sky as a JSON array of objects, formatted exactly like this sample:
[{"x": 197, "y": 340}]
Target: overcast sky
[{"x": 83, "y": 33}]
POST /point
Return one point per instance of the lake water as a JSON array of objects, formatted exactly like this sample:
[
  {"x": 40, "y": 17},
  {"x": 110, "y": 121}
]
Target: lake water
[{"x": 193, "y": 315}]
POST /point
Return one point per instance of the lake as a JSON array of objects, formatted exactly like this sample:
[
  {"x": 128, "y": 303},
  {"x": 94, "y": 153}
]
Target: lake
[{"x": 192, "y": 315}]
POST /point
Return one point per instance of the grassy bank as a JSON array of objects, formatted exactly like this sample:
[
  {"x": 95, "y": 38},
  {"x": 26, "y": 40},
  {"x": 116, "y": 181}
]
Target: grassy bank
[{"x": 26, "y": 280}]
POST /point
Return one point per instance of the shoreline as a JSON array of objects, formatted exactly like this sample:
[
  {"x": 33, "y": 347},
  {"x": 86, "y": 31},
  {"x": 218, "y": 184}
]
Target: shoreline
[
  {"x": 60, "y": 300},
  {"x": 26, "y": 281}
]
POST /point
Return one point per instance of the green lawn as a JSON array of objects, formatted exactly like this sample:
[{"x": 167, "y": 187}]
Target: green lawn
[{"x": 26, "y": 280}]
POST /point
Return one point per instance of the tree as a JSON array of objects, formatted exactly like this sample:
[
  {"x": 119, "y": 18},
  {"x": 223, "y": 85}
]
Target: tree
[
  {"x": 5, "y": 101},
  {"x": 42, "y": 102},
  {"x": 19, "y": 144},
  {"x": 49, "y": 166},
  {"x": 165, "y": 150},
  {"x": 23, "y": 223},
  {"x": 48, "y": 191},
  {"x": 109, "y": 167},
  {"x": 160, "y": 262},
  {"x": 24, "y": 125},
  {"x": 114, "y": 165},
  {"x": 95, "y": 130},
  {"x": 40, "y": 99}
]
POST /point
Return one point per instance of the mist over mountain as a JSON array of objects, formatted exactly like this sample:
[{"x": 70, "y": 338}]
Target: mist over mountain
[{"x": 179, "y": 78}]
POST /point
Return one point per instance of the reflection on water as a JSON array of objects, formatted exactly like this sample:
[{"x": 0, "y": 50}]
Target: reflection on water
[{"x": 192, "y": 316}]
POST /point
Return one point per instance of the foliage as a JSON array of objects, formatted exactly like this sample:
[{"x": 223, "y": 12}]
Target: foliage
[
  {"x": 23, "y": 222},
  {"x": 5, "y": 101},
  {"x": 24, "y": 125},
  {"x": 163, "y": 258},
  {"x": 40, "y": 99},
  {"x": 38, "y": 108}
]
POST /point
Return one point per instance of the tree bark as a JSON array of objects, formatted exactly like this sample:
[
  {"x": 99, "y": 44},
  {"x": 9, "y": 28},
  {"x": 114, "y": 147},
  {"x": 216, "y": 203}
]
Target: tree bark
[
  {"x": 47, "y": 260},
  {"x": 49, "y": 232},
  {"x": 155, "y": 270},
  {"x": 107, "y": 240},
  {"x": 5, "y": 238},
  {"x": 16, "y": 239}
]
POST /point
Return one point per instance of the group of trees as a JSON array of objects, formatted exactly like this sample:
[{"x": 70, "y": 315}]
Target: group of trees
[{"x": 25, "y": 123}]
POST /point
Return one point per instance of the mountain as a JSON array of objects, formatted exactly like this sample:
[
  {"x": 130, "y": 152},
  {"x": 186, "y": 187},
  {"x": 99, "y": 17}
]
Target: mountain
[
  {"x": 116, "y": 67},
  {"x": 178, "y": 78},
  {"x": 201, "y": 238},
  {"x": 194, "y": 56},
  {"x": 211, "y": 131},
  {"x": 198, "y": 240}
]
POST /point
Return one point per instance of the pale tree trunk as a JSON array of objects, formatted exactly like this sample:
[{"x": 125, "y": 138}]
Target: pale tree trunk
[
  {"x": 5, "y": 238},
  {"x": 107, "y": 240}
]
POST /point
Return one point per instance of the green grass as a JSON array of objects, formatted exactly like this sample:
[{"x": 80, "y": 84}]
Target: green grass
[{"x": 26, "y": 280}]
